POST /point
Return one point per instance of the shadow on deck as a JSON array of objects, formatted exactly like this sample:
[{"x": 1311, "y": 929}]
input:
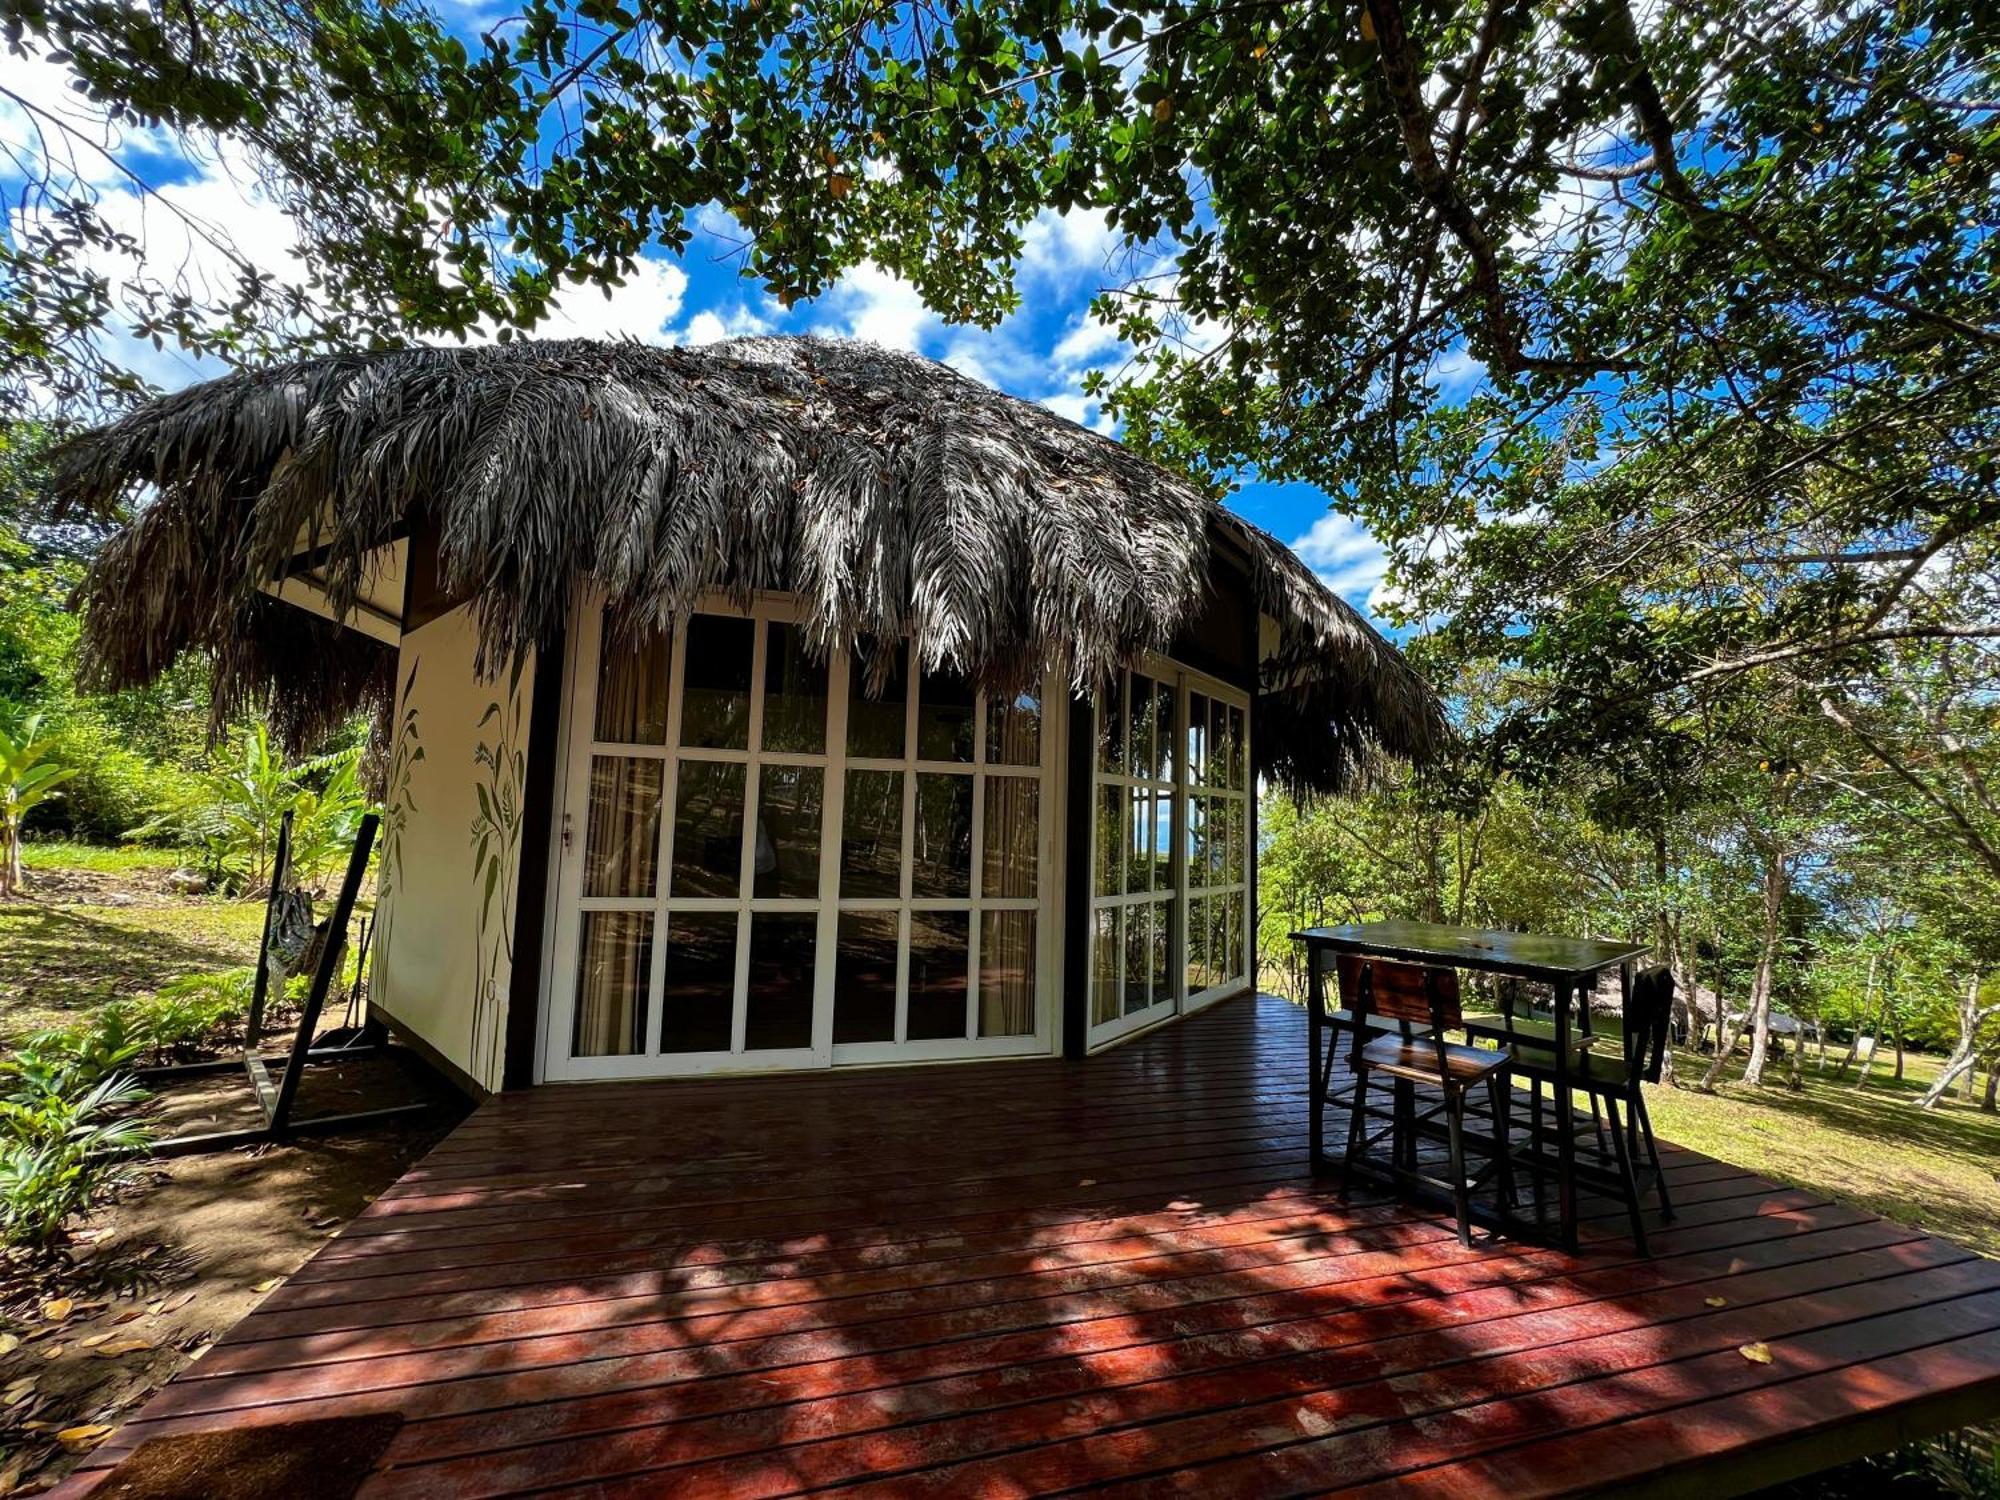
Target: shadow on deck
[{"x": 1025, "y": 1277}]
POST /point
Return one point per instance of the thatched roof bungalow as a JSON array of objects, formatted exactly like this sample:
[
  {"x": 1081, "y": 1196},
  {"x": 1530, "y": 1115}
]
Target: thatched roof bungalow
[{"x": 779, "y": 704}]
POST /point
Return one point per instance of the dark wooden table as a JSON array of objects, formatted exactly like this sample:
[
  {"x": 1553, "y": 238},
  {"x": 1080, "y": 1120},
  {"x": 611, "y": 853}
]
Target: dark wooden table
[{"x": 1570, "y": 965}]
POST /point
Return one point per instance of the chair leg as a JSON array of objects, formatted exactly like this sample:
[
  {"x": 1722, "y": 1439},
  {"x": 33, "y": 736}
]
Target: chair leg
[
  {"x": 1645, "y": 1120},
  {"x": 1461, "y": 1200},
  {"x": 1357, "y": 1123},
  {"x": 1628, "y": 1177},
  {"x": 1597, "y": 1124},
  {"x": 1403, "y": 1140},
  {"x": 1535, "y": 1140},
  {"x": 1500, "y": 1088}
]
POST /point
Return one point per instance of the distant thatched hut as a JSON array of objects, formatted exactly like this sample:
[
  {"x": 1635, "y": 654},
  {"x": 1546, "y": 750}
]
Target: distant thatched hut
[{"x": 779, "y": 704}]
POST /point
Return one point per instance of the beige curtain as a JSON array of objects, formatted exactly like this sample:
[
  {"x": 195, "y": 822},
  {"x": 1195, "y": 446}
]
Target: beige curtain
[
  {"x": 614, "y": 971},
  {"x": 1006, "y": 973},
  {"x": 632, "y": 688},
  {"x": 621, "y": 848},
  {"x": 1012, "y": 836}
]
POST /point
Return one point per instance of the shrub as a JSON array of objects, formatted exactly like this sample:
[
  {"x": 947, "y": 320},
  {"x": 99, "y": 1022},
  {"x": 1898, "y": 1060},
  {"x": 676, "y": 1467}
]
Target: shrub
[
  {"x": 189, "y": 1013},
  {"x": 62, "y": 1144}
]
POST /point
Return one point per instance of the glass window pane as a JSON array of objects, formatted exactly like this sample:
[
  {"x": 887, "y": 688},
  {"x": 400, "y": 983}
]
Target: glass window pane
[
  {"x": 941, "y": 859},
  {"x": 614, "y": 974},
  {"x": 794, "y": 693},
  {"x": 1218, "y": 937},
  {"x": 698, "y": 997},
  {"x": 621, "y": 846},
  {"x": 1139, "y": 841},
  {"x": 1162, "y": 932},
  {"x": 864, "y": 977},
  {"x": 1239, "y": 964},
  {"x": 1218, "y": 744},
  {"x": 632, "y": 673},
  {"x": 1144, "y": 702},
  {"x": 1197, "y": 738},
  {"x": 875, "y": 725},
  {"x": 1197, "y": 841},
  {"x": 1104, "y": 951},
  {"x": 1007, "y": 973},
  {"x": 1012, "y": 836},
  {"x": 1014, "y": 730},
  {"x": 708, "y": 830},
  {"x": 1138, "y": 955},
  {"x": 786, "y": 859},
  {"x": 871, "y": 834},
  {"x": 1197, "y": 945},
  {"x": 944, "y": 717},
  {"x": 1232, "y": 858},
  {"x": 1239, "y": 750},
  {"x": 1164, "y": 738},
  {"x": 1163, "y": 841},
  {"x": 939, "y": 944},
  {"x": 778, "y": 1008},
  {"x": 1110, "y": 862},
  {"x": 715, "y": 706},
  {"x": 1111, "y": 727}
]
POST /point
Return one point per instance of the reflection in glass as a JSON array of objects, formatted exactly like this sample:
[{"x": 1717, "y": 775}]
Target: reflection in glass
[
  {"x": 1198, "y": 973},
  {"x": 864, "y": 977},
  {"x": 632, "y": 683},
  {"x": 941, "y": 861},
  {"x": 871, "y": 835},
  {"x": 778, "y": 1005},
  {"x": 1232, "y": 858},
  {"x": 1144, "y": 714},
  {"x": 1162, "y": 930},
  {"x": 1012, "y": 836},
  {"x": 1139, "y": 843},
  {"x": 1198, "y": 835},
  {"x": 1197, "y": 738},
  {"x": 1111, "y": 727},
  {"x": 715, "y": 706},
  {"x": 1238, "y": 958},
  {"x": 1104, "y": 950},
  {"x": 1163, "y": 736},
  {"x": 621, "y": 846},
  {"x": 698, "y": 997},
  {"x": 1218, "y": 938},
  {"x": 1138, "y": 955},
  {"x": 1239, "y": 748},
  {"x": 1014, "y": 730},
  {"x": 1109, "y": 879},
  {"x": 875, "y": 726},
  {"x": 794, "y": 693},
  {"x": 614, "y": 973},
  {"x": 939, "y": 944},
  {"x": 1163, "y": 842},
  {"x": 944, "y": 717},
  {"x": 1006, "y": 973},
  {"x": 785, "y": 861},
  {"x": 1218, "y": 743},
  {"x": 708, "y": 830}
]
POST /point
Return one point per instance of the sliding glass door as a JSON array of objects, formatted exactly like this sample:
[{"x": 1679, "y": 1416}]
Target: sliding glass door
[
  {"x": 766, "y": 865},
  {"x": 1170, "y": 819}
]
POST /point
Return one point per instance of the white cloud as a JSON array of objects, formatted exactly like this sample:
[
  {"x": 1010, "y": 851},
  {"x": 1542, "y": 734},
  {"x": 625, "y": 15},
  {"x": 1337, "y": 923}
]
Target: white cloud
[
  {"x": 1347, "y": 559},
  {"x": 1064, "y": 246},
  {"x": 644, "y": 308},
  {"x": 877, "y": 305},
  {"x": 710, "y": 326}
]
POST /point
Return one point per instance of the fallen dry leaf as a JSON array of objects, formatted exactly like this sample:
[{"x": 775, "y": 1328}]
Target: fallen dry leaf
[
  {"x": 130, "y": 1315},
  {"x": 1716, "y": 1301},
  {"x": 57, "y": 1310},
  {"x": 1757, "y": 1354},
  {"x": 94, "y": 1340},
  {"x": 125, "y": 1345},
  {"x": 81, "y": 1439},
  {"x": 54, "y": 1351},
  {"x": 19, "y": 1394},
  {"x": 269, "y": 1286},
  {"x": 179, "y": 1300},
  {"x": 9, "y": 1342}
]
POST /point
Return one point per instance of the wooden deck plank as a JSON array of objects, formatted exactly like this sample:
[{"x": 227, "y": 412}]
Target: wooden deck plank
[{"x": 1031, "y": 1276}]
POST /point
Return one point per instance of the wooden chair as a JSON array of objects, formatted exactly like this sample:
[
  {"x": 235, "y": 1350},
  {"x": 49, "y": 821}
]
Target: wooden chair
[
  {"x": 1342, "y": 1025},
  {"x": 1419, "y": 1000},
  {"x": 1615, "y": 1080}
]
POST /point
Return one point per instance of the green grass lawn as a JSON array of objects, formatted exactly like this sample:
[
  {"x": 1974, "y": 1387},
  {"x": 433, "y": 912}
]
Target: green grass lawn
[
  {"x": 1938, "y": 1170},
  {"x": 100, "y": 924}
]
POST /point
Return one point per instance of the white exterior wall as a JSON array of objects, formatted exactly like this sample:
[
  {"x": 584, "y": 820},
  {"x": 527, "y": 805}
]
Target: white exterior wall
[{"x": 447, "y": 890}]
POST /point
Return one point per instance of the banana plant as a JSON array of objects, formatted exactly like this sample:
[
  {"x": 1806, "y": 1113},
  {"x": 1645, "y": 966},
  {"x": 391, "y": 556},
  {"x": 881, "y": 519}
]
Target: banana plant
[{"x": 26, "y": 781}]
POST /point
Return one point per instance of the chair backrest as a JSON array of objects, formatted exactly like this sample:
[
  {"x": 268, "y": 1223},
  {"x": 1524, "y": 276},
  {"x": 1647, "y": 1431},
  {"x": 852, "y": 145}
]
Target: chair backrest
[
  {"x": 1399, "y": 992},
  {"x": 1647, "y": 1017}
]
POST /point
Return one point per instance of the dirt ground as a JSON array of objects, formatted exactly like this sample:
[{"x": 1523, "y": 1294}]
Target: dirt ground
[{"x": 182, "y": 1253}]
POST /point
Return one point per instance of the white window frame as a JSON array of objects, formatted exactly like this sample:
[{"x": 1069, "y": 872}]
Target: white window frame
[
  {"x": 1185, "y": 681},
  {"x": 559, "y": 987}
]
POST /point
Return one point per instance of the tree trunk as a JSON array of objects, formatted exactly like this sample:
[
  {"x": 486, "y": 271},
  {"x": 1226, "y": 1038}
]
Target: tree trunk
[
  {"x": 1991, "y": 1103},
  {"x": 1870, "y": 1018},
  {"x": 1775, "y": 881},
  {"x": 11, "y": 880},
  {"x": 1896, "y": 1022},
  {"x": 1965, "y": 1054}
]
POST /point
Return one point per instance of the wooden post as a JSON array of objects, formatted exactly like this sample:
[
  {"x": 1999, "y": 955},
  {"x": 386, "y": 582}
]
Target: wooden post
[
  {"x": 329, "y": 961},
  {"x": 253, "y": 1026}
]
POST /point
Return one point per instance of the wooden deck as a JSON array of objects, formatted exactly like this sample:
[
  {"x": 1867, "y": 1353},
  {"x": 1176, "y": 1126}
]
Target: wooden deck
[{"x": 1028, "y": 1277}]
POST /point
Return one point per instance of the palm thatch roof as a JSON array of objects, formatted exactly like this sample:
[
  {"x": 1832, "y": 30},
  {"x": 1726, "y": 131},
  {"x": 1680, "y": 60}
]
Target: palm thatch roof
[{"x": 891, "y": 492}]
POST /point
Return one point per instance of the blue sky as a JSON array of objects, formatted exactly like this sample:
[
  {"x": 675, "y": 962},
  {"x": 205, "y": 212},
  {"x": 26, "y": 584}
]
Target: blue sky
[{"x": 1042, "y": 353}]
